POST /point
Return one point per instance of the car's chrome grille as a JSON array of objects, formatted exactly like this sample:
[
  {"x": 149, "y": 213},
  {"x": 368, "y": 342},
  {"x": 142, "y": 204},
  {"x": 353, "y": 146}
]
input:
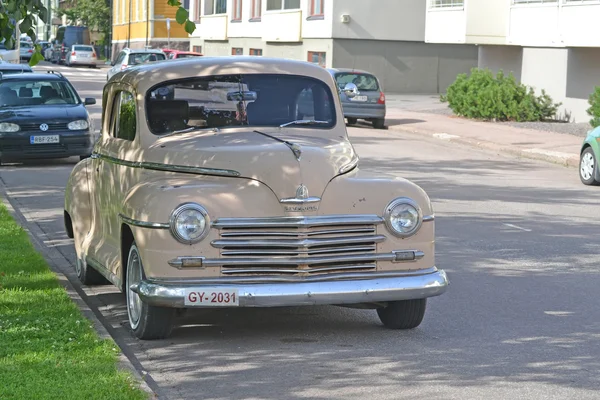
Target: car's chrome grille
[
  {"x": 298, "y": 245},
  {"x": 61, "y": 126}
]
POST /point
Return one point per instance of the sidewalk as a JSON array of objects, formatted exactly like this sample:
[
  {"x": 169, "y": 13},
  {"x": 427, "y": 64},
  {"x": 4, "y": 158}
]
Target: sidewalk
[{"x": 528, "y": 143}]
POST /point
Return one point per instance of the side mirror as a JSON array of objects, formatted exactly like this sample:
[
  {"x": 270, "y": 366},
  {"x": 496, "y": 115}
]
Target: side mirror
[
  {"x": 350, "y": 90},
  {"x": 89, "y": 101},
  {"x": 242, "y": 96}
]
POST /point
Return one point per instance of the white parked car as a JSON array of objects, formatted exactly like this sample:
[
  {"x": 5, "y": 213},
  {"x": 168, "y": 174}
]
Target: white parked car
[{"x": 82, "y": 54}]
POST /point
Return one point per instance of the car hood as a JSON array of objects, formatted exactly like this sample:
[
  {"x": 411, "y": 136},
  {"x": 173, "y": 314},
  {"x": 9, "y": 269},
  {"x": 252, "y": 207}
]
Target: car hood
[
  {"x": 265, "y": 159},
  {"x": 43, "y": 114}
]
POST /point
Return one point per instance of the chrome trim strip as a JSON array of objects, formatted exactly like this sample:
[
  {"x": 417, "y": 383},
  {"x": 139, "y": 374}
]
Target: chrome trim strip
[
  {"x": 428, "y": 218},
  {"x": 169, "y": 168},
  {"x": 294, "y": 244},
  {"x": 298, "y": 271},
  {"x": 294, "y": 200},
  {"x": 291, "y": 261},
  {"x": 297, "y": 234},
  {"x": 293, "y": 222},
  {"x": 356, "y": 289},
  {"x": 254, "y": 252},
  {"x": 144, "y": 224}
]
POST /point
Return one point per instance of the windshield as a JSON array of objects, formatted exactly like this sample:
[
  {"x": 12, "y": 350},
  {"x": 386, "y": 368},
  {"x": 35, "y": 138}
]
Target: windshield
[
  {"x": 239, "y": 100},
  {"x": 365, "y": 82},
  {"x": 141, "y": 58},
  {"x": 36, "y": 93}
]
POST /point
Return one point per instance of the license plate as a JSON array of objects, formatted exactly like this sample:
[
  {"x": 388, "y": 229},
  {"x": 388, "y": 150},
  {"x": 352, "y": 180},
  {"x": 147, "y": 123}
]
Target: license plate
[
  {"x": 359, "y": 98},
  {"x": 212, "y": 297},
  {"x": 44, "y": 139}
]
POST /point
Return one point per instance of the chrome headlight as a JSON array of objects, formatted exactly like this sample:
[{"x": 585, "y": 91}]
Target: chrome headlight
[
  {"x": 403, "y": 217},
  {"x": 8, "y": 127},
  {"x": 189, "y": 223},
  {"x": 78, "y": 125}
]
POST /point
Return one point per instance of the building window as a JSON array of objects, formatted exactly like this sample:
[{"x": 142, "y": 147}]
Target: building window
[
  {"x": 256, "y": 9},
  {"x": 237, "y": 51},
  {"x": 447, "y": 3},
  {"x": 196, "y": 14},
  {"x": 316, "y": 8},
  {"x": 543, "y": 1},
  {"x": 273, "y": 5},
  {"x": 197, "y": 49},
  {"x": 215, "y": 7},
  {"x": 317, "y": 57},
  {"x": 256, "y": 52},
  {"x": 237, "y": 10}
]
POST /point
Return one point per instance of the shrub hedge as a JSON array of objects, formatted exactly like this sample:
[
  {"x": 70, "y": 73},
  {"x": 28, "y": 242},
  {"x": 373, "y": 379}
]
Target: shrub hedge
[
  {"x": 481, "y": 95},
  {"x": 594, "y": 110}
]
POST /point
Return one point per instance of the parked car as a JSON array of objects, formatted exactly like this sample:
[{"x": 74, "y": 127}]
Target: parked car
[
  {"x": 82, "y": 55},
  {"x": 128, "y": 58},
  {"x": 589, "y": 172},
  {"x": 25, "y": 50},
  {"x": 66, "y": 37},
  {"x": 361, "y": 95},
  {"x": 222, "y": 197},
  {"x": 43, "y": 117},
  {"x": 176, "y": 54},
  {"x": 7, "y": 68}
]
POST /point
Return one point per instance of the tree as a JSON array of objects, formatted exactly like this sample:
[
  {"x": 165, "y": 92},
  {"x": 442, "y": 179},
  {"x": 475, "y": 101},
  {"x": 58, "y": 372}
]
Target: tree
[
  {"x": 24, "y": 13},
  {"x": 91, "y": 13}
]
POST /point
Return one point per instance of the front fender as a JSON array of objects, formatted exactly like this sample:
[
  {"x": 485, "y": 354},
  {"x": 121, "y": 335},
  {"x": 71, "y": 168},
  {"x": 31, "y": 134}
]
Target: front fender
[
  {"x": 593, "y": 140},
  {"x": 78, "y": 202}
]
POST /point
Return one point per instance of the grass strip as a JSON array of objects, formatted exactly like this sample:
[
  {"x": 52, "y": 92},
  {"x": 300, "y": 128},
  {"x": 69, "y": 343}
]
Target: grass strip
[{"x": 48, "y": 350}]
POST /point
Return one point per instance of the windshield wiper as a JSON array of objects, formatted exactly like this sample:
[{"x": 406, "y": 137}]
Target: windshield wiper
[
  {"x": 293, "y": 147},
  {"x": 303, "y": 122}
]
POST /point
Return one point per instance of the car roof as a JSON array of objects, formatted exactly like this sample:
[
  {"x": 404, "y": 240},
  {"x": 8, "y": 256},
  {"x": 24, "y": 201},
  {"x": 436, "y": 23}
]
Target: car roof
[
  {"x": 351, "y": 70},
  {"x": 145, "y": 76},
  {"x": 34, "y": 76},
  {"x": 6, "y": 66}
]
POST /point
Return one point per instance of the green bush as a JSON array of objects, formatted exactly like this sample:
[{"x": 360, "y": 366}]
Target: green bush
[
  {"x": 481, "y": 95},
  {"x": 594, "y": 110}
]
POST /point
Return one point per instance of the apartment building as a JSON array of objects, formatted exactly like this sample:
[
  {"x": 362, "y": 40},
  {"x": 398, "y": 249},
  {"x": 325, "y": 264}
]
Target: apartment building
[
  {"x": 548, "y": 44},
  {"x": 386, "y": 37},
  {"x": 140, "y": 23}
]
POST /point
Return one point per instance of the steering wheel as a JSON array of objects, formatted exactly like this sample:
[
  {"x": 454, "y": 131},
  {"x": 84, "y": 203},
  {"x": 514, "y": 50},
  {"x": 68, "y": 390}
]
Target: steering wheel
[{"x": 55, "y": 101}]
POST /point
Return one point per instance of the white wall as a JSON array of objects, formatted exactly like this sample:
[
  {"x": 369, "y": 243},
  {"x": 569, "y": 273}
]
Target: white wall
[
  {"x": 244, "y": 28},
  {"x": 380, "y": 19},
  {"x": 579, "y": 25},
  {"x": 446, "y": 26}
]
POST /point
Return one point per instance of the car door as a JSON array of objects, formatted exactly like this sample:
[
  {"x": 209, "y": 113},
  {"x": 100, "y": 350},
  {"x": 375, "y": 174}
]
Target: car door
[{"x": 117, "y": 174}]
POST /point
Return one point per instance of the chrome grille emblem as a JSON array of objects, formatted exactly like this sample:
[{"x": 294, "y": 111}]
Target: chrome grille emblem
[
  {"x": 302, "y": 192},
  {"x": 44, "y": 127}
]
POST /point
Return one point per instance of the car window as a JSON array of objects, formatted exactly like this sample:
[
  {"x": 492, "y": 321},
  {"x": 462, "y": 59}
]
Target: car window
[
  {"x": 83, "y": 48},
  {"x": 25, "y": 45},
  {"x": 123, "y": 124},
  {"x": 120, "y": 57},
  {"x": 239, "y": 100},
  {"x": 37, "y": 93},
  {"x": 142, "y": 58},
  {"x": 365, "y": 82},
  {"x": 183, "y": 55}
]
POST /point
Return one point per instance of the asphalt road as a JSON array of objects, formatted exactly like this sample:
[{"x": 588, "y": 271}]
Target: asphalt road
[{"x": 519, "y": 240}]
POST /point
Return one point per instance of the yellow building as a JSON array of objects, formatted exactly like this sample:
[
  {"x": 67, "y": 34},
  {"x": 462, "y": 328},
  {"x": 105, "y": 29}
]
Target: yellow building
[{"x": 140, "y": 23}]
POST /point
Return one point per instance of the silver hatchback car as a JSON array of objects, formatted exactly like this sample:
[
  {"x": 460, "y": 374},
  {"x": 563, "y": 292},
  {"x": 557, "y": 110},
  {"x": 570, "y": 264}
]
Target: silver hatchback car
[{"x": 361, "y": 95}]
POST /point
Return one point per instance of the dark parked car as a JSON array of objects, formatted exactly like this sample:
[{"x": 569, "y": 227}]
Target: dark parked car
[
  {"x": 66, "y": 37},
  {"x": 7, "y": 68},
  {"x": 42, "y": 116},
  {"x": 361, "y": 95}
]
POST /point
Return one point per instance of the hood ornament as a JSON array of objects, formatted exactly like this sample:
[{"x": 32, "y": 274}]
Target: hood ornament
[
  {"x": 302, "y": 202},
  {"x": 302, "y": 192}
]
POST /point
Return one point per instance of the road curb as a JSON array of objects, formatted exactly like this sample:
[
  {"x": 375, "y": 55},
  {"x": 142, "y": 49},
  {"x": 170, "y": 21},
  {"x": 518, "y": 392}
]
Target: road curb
[
  {"x": 565, "y": 160},
  {"x": 58, "y": 263}
]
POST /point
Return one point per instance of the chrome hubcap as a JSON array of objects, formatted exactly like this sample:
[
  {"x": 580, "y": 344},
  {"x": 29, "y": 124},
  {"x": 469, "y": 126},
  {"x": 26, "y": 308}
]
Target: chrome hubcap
[
  {"x": 586, "y": 167},
  {"x": 134, "y": 276}
]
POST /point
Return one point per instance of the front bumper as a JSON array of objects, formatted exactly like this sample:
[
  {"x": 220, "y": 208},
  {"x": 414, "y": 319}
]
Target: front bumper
[
  {"x": 346, "y": 289},
  {"x": 363, "y": 110}
]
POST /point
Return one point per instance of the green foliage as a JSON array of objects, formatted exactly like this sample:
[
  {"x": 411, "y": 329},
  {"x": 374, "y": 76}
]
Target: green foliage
[
  {"x": 182, "y": 16},
  {"x": 91, "y": 13},
  {"x": 481, "y": 95},
  {"x": 594, "y": 110}
]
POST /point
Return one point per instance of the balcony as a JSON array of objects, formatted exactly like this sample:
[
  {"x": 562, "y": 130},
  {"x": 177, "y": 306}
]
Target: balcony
[
  {"x": 282, "y": 26},
  {"x": 446, "y": 25},
  {"x": 212, "y": 27}
]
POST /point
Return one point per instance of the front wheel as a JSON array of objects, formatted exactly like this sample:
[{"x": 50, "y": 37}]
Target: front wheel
[
  {"x": 587, "y": 167},
  {"x": 147, "y": 322},
  {"x": 405, "y": 314}
]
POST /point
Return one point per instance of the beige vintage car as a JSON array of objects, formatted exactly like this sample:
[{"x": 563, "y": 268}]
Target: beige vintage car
[{"x": 231, "y": 182}]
